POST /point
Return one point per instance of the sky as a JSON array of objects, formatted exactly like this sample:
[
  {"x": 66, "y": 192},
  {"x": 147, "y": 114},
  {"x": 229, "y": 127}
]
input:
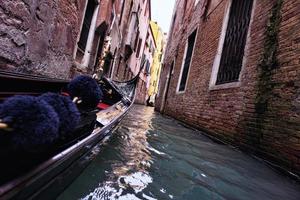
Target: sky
[{"x": 162, "y": 11}]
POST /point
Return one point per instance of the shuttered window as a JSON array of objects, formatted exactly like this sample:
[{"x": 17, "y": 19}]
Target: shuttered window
[
  {"x": 122, "y": 12},
  {"x": 139, "y": 48},
  {"x": 187, "y": 61},
  {"x": 86, "y": 24},
  {"x": 235, "y": 41}
]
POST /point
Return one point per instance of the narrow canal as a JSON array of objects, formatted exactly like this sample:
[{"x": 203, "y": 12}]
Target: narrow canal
[{"x": 153, "y": 157}]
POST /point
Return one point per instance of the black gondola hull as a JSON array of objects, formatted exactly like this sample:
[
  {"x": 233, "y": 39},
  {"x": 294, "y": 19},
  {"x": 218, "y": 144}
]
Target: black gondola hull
[
  {"x": 52, "y": 181},
  {"x": 52, "y": 176}
]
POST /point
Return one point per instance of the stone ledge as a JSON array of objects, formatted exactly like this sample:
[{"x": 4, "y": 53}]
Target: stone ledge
[{"x": 225, "y": 86}]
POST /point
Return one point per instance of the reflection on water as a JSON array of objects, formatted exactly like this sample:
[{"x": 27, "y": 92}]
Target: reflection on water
[{"x": 153, "y": 157}]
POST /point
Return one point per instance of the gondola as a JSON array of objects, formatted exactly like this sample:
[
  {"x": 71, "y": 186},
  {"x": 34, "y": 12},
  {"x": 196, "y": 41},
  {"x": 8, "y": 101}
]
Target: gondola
[{"x": 46, "y": 174}]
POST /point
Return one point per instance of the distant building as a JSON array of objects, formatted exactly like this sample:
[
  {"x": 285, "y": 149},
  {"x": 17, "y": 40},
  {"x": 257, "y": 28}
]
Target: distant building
[
  {"x": 134, "y": 51},
  {"x": 147, "y": 59},
  {"x": 64, "y": 38},
  {"x": 97, "y": 36},
  {"x": 159, "y": 39},
  {"x": 231, "y": 68},
  {"x": 61, "y": 39},
  {"x": 55, "y": 38}
]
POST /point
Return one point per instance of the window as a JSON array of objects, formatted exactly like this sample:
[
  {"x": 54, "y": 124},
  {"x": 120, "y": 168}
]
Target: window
[
  {"x": 174, "y": 20},
  {"x": 168, "y": 82},
  {"x": 206, "y": 9},
  {"x": 125, "y": 72},
  {"x": 146, "y": 10},
  {"x": 138, "y": 10},
  {"x": 86, "y": 24},
  {"x": 147, "y": 69},
  {"x": 128, "y": 74},
  {"x": 118, "y": 68},
  {"x": 122, "y": 11},
  {"x": 160, "y": 57},
  {"x": 130, "y": 10},
  {"x": 136, "y": 40},
  {"x": 143, "y": 60},
  {"x": 187, "y": 61},
  {"x": 139, "y": 48},
  {"x": 235, "y": 42}
]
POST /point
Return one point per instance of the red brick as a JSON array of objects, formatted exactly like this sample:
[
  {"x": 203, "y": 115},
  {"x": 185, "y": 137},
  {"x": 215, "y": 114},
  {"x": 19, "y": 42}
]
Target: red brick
[{"x": 230, "y": 113}]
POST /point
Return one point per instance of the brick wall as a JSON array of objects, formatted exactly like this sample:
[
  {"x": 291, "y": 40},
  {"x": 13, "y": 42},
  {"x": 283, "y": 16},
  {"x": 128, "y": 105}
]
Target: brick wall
[
  {"x": 140, "y": 97},
  {"x": 232, "y": 114},
  {"x": 39, "y": 36}
]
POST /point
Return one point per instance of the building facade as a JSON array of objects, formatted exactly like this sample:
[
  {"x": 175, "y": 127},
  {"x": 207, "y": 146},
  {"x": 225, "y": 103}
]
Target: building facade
[
  {"x": 55, "y": 38},
  {"x": 235, "y": 75},
  {"x": 159, "y": 38},
  {"x": 39, "y": 37},
  {"x": 134, "y": 49},
  {"x": 118, "y": 43},
  {"x": 148, "y": 57},
  {"x": 61, "y": 39}
]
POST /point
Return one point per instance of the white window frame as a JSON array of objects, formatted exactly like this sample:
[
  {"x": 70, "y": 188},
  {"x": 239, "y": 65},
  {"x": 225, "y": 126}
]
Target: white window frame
[
  {"x": 84, "y": 63},
  {"x": 79, "y": 33},
  {"x": 183, "y": 61},
  {"x": 216, "y": 64}
]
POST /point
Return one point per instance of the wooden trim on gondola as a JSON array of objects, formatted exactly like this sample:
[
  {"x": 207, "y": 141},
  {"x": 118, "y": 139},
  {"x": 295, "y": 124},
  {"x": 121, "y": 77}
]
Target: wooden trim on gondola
[
  {"x": 14, "y": 83},
  {"x": 4, "y": 74},
  {"x": 35, "y": 183}
]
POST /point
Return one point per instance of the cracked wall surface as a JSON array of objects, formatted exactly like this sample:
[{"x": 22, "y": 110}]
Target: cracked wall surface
[{"x": 39, "y": 36}]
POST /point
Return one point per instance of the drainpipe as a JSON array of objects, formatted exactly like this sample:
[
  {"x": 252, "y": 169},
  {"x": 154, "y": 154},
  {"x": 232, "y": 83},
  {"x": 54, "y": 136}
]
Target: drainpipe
[{"x": 89, "y": 44}]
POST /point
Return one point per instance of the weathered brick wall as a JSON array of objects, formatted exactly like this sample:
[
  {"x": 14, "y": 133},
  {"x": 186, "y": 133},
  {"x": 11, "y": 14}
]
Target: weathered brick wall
[
  {"x": 118, "y": 73},
  {"x": 38, "y": 36},
  {"x": 275, "y": 132},
  {"x": 231, "y": 114},
  {"x": 140, "y": 97}
]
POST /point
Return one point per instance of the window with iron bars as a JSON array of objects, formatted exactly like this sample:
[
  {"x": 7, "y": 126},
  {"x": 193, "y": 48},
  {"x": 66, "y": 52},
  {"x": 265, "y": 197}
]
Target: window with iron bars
[{"x": 235, "y": 41}]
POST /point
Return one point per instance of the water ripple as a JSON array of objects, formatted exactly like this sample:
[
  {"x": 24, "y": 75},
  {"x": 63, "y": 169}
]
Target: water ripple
[{"x": 153, "y": 157}]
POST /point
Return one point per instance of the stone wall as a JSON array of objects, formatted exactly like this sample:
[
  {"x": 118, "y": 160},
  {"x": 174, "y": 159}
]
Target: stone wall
[
  {"x": 38, "y": 36},
  {"x": 140, "y": 97},
  {"x": 235, "y": 115}
]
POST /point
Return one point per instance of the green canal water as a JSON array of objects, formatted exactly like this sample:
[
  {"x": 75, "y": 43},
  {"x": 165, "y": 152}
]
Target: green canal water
[{"x": 153, "y": 157}]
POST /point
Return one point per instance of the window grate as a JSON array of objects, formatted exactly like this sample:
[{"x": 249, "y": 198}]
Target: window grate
[{"x": 235, "y": 41}]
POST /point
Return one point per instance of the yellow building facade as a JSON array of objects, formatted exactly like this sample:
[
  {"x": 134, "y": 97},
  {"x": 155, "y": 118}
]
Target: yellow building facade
[{"x": 157, "y": 60}]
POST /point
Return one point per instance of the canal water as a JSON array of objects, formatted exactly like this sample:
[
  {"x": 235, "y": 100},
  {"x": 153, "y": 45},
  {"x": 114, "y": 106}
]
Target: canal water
[{"x": 153, "y": 157}]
